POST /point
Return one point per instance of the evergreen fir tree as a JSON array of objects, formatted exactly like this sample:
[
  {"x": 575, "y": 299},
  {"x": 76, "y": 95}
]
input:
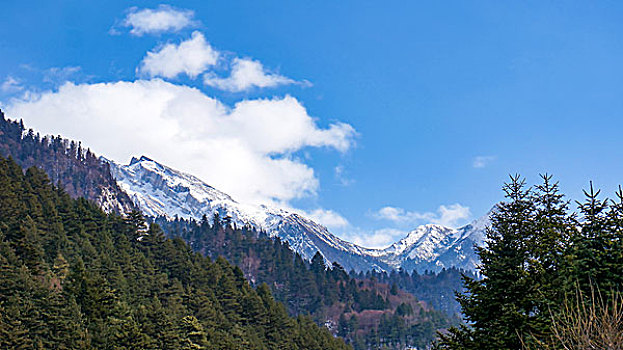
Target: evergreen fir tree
[{"x": 499, "y": 307}]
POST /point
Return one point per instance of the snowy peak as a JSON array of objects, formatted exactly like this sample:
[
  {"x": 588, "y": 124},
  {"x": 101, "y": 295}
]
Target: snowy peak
[
  {"x": 432, "y": 247},
  {"x": 162, "y": 191},
  {"x": 142, "y": 159},
  {"x": 159, "y": 190},
  {"x": 477, "y": 229},
  {"x": 423, "y": 235}
]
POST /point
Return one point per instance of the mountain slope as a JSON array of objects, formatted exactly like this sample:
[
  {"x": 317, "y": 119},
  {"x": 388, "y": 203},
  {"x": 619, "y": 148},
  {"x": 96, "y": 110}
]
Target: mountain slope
[
  {"x": 326, "y": 294},
  {"x": 76, "y": 169},
  {"x": 162, "y": 191},
  {"x": 433, "y": 247}
]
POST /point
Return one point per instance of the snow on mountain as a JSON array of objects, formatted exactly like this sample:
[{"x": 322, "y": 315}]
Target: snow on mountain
[
  {"x": 433, "y": 247},
  {"x": 161, "y": 191}
]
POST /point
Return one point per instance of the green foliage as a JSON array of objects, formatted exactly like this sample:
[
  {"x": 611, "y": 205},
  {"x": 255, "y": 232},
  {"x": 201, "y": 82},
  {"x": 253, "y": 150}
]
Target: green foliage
[
  {"x": 436, "y": 289},
  {"x": 537, "y": 256},
  {"x": 327, "y": 294},
  {"x": 305, "y": 288},
  {"x": 73, "y": 277}
]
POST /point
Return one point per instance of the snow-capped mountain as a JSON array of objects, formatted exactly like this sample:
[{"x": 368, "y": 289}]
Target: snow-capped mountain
[
  {"x": 433, "y": 247},
  {"x": 161, "y": 191}
]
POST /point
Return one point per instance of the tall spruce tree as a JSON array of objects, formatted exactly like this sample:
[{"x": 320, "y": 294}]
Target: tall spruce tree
[
  {"x": 596, "y": 254},
  {"x": 498, "y": 307}
]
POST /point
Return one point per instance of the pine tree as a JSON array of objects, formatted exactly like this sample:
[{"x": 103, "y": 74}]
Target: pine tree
[
  {"x": 547, "y": 245},
  {"x": 135, "y": 224},
  {"x": 596, "y": 252},
  {"x": 394, "y": 289},
  {"x": 499, "y": 307},
  {"x": 192, "y": 334}
]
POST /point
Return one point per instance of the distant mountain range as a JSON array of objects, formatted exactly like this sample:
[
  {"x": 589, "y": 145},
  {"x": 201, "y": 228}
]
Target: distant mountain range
[{"x": 159, "y": 190}]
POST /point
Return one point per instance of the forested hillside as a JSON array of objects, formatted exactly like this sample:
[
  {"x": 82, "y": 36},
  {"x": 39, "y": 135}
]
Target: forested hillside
[
  {"x": 66, "y": 162},
  {"x": 74, "y": 277},
  {"x": 364, "y": 310},
  {"x": 367, "y": 313},
  {"x": 436, "y": 288},
  {"x": 552, "y": 277}
]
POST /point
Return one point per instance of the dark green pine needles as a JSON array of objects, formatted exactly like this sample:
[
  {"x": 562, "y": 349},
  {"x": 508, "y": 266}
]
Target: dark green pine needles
[
  {"x": 73, "y": 277},
  {"x": 551, "y": 279},
  {"x": 364, "y": 312}
]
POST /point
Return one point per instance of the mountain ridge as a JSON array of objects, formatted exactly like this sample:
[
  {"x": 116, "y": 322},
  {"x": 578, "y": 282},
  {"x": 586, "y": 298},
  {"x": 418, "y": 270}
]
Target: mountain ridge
[{"x": 159, "y": 190}]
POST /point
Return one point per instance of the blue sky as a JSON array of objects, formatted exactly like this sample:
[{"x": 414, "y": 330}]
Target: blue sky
[{"x": 403, "y": 112}]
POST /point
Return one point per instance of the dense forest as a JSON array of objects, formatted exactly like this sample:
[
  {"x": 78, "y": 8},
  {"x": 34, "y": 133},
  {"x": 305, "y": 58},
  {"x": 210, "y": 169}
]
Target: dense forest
[
  {"x": 67, "y": 163},
  {"x": 75, "y": 277},
  {"x": 436, "y": 288},
  {"x": 367, "y": 313},
  {"x": 551, "y": 277}
]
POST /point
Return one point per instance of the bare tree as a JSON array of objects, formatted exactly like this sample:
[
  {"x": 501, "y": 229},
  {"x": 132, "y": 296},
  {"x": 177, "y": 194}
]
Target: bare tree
[{"x": 586, "y": 323}]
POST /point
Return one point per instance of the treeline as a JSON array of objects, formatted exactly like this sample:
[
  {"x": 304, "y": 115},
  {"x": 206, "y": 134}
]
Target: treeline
[
  {"x": 551, "y": 277},
  {"x": 74, "y": 277},
  {"x": 67, "y": 163},
  {"x": 365, "y": 312}
]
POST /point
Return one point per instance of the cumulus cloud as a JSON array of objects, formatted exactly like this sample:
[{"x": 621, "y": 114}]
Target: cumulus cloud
[
  {"x": 328, "y": 218},
  {"x": 191, "y": 57},
  {"x": 400, "y": 215},
  {"x": 164, "y": 18},
  {"x": 246, "y": 74},
  {"x": 482, "y": 161},
  {"x": 245, "y": 150},
  {"x": 450, "y": 215}
]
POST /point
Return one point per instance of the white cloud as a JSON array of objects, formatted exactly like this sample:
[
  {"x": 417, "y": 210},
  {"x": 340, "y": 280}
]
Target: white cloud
[
  {"x": 400, "y": 215},
  {"x": 246, "y": 74},
  {"x": 162, "y": 19},
  {"x": 381, "y": 238},
  {"x": 328, "y": 218},
  {"x": 245, "y": 150},
  {"x": 59, "y": 75},
  {"x": 482, "y": 161},
  {"x": 450, "y": 215},
  {"x": 191, "y": 57},
  {"x": 10, "y": 85},
  {"x": 453, "y": 214}
]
